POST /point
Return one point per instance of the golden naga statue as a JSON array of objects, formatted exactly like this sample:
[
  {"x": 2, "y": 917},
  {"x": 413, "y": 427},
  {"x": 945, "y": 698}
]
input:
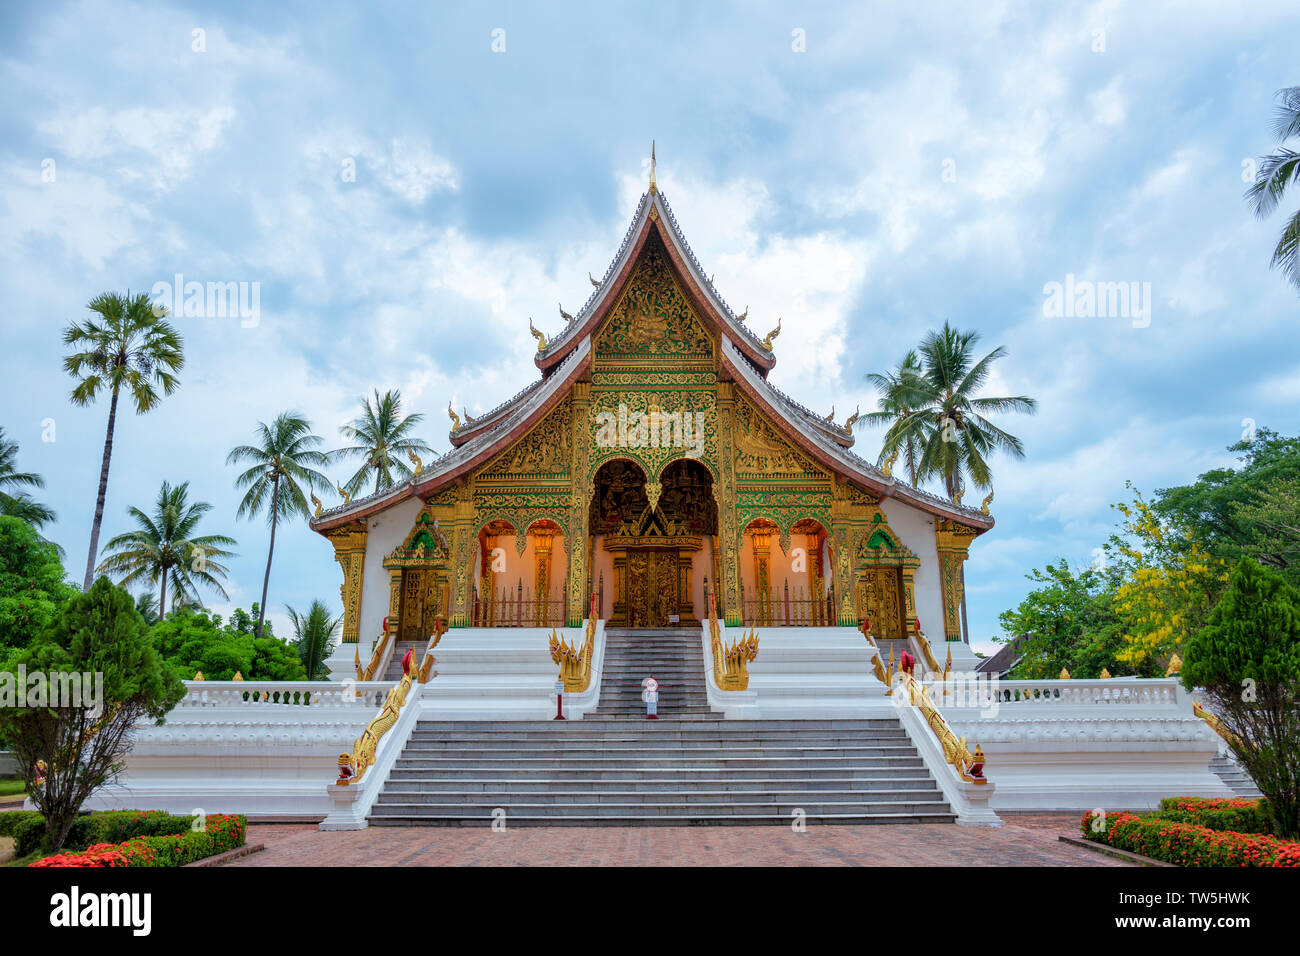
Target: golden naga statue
[
  {"x": 541, "y": 339},
  {"x": 1175, "y": 666},
  {"x": 852, "y": 420},
  {"x": 744, "y": 315},
  {"x": 575, "y": 662},
  {"x": 353, "y": 766},
  {"x": 593, "y": 281},
  {"x": 961, "y": 490},
  {"x": 1215, "y": 724},
  {"x": 568, "y": 319},
  {"x": 317, "y": 505},
  {"x": 988, "y": 500},
  {"x": 771, "y": 336},
  {"x": 415, "y": 460},
  {"x": 455, "y": 419},
  {"x": 469, "y": 419},
  {"x": 831, "y": 417},
  {"x": 347, "y": 498}
]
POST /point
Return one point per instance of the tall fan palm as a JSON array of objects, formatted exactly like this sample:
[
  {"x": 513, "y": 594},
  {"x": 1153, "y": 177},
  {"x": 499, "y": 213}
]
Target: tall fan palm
[
  {"x": 163, "y": 548},
  {"x": 131, "y": 347},
  {"x": 285, "y": 459},
  {"x": 314, "y": 638},
  {"x": 14, "y": 502},
  {"x": 895, "y": 387},
  {"x": 382, "y": 437},
  {"x": 1276, "y": 171}
]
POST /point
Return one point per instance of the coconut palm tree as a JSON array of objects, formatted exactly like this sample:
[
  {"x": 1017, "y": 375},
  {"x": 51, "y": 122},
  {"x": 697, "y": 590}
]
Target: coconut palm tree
[
  {"x": 314, "y": 637},
  {"x": 947, "y": 417},
  {"x": 147, "y": 605},
  {"x": 1276, "y": 171},
  {"x": 894, "y": 387},
  {"x": 14, "y": 502},
  {"x": 129, "y": 346},
  {"x": 284, "y": 460},
  {"x": 163, "y": 548},
  {"x": 382, "y": 438}
]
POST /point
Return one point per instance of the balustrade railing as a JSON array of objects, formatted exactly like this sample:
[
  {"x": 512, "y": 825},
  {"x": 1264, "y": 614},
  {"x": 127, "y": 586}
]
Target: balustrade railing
[
  {"x": 786, "y": 607},
  {"x": 264, "y": 694},
  {"x": 1100, "y": 691},
  {"x": 518, "y": 607}
]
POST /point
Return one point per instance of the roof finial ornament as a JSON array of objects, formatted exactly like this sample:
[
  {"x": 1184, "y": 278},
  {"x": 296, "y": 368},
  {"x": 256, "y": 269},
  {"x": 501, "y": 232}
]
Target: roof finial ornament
[
  {"x": 771, "y": 336},
  {"x": 541, "y": 339},
  {"x": 831, "y": 417},
  {"x": 593, "y": 281},
  {"x": 568, "y": 319},
  {"x": 744, "y": 315},
  {"x": 654, "y": 187},
  {"x": 455, "y": 419},
  {"x": 852, "y": 419}
]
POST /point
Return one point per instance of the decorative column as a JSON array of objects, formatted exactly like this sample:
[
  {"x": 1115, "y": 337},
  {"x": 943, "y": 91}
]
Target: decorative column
[
  {"x": 730, "y": 535},
  {"x": 848, "y": 518},
  {"x": 463, "y": 538},
  {"x": 350, "y": 552},
  {"x": 577, "y": 540},
  {"x": 953, "y": 542},
  {"x": 762, "y": 541}
]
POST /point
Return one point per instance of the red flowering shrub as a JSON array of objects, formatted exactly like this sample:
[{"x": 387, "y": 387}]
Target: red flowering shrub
[
  {"x": 1188, "y": 844},
  {"x": 1236, "y": 814},
  {"x": 224, "y": 832}
]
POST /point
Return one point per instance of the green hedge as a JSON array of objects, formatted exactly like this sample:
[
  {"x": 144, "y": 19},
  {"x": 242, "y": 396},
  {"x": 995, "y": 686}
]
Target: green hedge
[
  {"x": 223, "y": 833},
  {"x": 1187, "y": 844},
  {"x": 1234, "y": 815},
  {"x": 27, "y": 827}
]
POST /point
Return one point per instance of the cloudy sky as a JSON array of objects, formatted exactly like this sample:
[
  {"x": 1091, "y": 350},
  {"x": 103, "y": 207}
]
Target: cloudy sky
[{"x": 865, "y": 173}]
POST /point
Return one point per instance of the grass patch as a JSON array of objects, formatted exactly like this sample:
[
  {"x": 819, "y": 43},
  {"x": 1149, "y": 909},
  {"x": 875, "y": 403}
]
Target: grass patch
[{"x": 9, "y": 788}]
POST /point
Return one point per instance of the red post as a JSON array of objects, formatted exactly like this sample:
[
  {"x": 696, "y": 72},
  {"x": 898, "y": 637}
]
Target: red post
[{"x": 559, "y": 699}]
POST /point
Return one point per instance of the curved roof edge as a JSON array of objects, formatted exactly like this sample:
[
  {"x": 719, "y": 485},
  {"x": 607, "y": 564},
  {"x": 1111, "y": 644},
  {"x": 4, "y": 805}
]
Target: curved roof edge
[{"x": 839, "y": 459}]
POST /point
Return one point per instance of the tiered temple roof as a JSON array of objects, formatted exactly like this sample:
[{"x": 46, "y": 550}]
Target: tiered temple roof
[{"x": 744, "y": 358}]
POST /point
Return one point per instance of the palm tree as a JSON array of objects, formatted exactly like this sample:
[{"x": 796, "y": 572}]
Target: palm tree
[
  {"x": 382, "y": 438},
  {"x": 13, "y": 502},
  {"x": 286, "y": 455},
  {"x": 1276, "y": 171},
  {"x": 894, "y": 390},
  {"x": 314, "y": 638},
  {"x": 147, "y": 605},
  {"x": 163, "y": 548},
  {"x": 130, "y": 347},
  {"x": 948, "y": 420}
]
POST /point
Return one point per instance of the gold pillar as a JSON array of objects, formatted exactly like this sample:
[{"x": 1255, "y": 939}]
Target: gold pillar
[
  {"x": 953, "y": 543},
  {"x": 542, "y": 538},
  {"x": 730, "y": 534},
  {"x": 350, "y": 552},
  {"x": 464, "y": 535},
  {"x": 577, "y": 541}
]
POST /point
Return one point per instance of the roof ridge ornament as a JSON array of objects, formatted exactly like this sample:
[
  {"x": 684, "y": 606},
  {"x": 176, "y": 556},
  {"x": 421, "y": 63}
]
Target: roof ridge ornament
[
  {"x": 541, "y": 339},
  {"x": 654, "y": 187},
  {"x": 455, "y": 419},
  {"x": 771, "y": 336},
  {"x": 852, "y": 419}
]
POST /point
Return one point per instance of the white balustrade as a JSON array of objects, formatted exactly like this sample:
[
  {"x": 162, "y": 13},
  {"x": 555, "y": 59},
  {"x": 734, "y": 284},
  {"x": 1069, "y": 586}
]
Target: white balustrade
[
  {"x": 272, "y": 694},
  {"x": 1071, "y": 692}
]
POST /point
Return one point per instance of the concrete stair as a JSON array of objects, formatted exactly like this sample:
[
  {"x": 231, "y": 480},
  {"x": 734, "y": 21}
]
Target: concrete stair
[
  {"x": 673, "y": 656},
  {"x": 1235, "y": 777},
  {"x": 394, "y": 671},
  {"x": 614, "y": 771}
]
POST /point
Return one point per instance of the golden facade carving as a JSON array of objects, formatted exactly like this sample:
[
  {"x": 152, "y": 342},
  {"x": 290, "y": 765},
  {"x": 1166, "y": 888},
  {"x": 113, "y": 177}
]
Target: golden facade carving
[{"x": 349, "y": 544}]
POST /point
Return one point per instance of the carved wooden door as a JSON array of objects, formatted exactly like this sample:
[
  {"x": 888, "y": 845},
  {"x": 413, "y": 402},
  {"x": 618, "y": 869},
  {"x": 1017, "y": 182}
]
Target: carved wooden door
[{"x": 885, "y": 604}]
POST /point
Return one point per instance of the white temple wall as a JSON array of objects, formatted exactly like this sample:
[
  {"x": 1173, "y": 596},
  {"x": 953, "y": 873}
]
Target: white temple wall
[{"x": 384, "y": 532}]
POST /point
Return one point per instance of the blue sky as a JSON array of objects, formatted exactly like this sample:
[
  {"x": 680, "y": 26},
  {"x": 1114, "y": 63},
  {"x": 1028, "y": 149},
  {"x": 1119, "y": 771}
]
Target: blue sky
[{"x": 1100, "y": 140}]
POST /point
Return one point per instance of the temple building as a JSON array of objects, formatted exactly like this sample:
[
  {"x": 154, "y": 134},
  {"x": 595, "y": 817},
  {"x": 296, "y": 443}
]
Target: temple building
[{"x": 651, "y": 463}]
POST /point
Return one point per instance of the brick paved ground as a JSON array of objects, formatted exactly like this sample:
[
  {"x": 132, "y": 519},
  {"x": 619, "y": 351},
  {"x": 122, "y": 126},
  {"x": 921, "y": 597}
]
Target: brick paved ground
[{"x": 1022, "y": 841}]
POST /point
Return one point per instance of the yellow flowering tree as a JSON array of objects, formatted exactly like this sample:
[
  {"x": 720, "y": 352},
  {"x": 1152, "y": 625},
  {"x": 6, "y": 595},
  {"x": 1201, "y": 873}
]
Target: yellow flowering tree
[{"x": 1169, "y": 583}]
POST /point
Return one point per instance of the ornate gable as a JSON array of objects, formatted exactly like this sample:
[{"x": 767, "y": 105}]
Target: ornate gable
[{"x": 652, "y": 319}]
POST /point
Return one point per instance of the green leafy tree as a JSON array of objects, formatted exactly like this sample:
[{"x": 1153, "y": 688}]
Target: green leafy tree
[
  {"x": 314, "y": 634},
  {"x": 895, "y": 388},
  {"x": 282, "y": 463},
  {"x": 193, "y": 640},
  {"x": 163, "y": 548},
  {"x": 83, "y": 741},
  {"x": 1274, "y": 523},
  {"x": 1247, "y": 660},
  {"x": 381, "y": 437},
  {"x": 14, "y": 499},
  {"x": 1276, "y": 172},
  {"x": 129, "y": 346},
  {"x": 1068, "y": 621},
  {"x": 33, "y": 585}
]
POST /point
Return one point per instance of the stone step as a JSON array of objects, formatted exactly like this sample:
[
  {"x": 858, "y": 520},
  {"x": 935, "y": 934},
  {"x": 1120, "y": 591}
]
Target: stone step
[
  {"x": 877, "y": 784},
  {"x": 626, "y": 797},
  {"x": 665, "y": 808},
  {"x": 546, "y": 819}
]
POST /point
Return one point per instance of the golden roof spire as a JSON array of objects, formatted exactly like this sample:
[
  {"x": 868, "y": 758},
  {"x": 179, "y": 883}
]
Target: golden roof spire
[{"x": 654, "y": 187}]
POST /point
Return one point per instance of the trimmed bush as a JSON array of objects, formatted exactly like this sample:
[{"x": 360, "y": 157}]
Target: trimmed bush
[
  {"x": 223, "y": 833},
  {"x": 27, "y": 827},
  {"x": 10, "y": 820},
  {"x": 1188, "y": 844},
  {"x": 1234, "y": 815}
]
